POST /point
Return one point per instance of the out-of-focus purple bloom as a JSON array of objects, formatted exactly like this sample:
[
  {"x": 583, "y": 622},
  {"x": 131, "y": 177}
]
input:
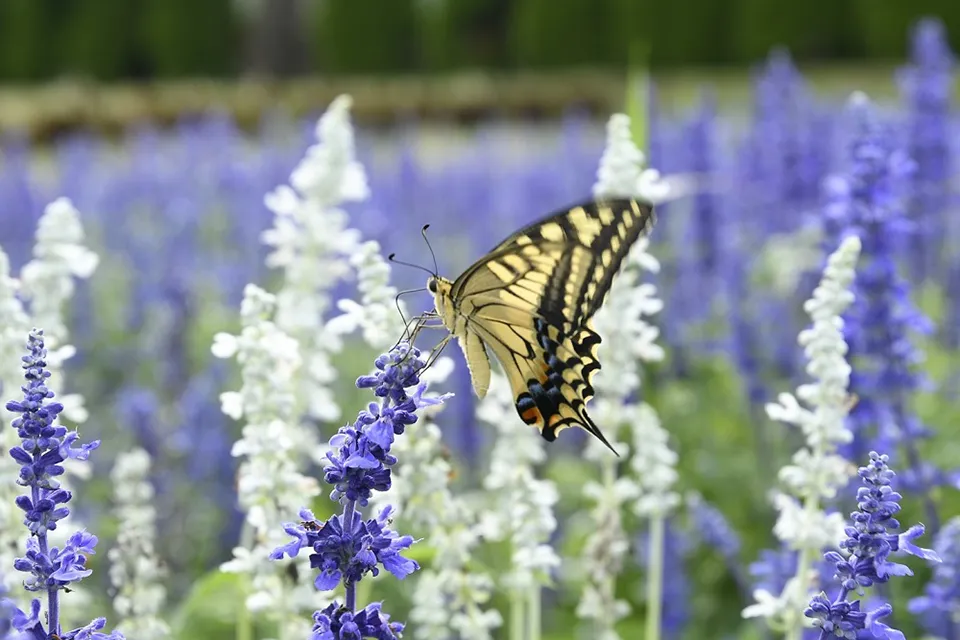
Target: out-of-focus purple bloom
[
  {"x": 346, "y": 547},
  {"x": 675, "y": 611},
  {"x": 44, "y": 446},
  {"x": 864, "y": 558},
  {"x": 713, "y": 529},
  {"x": 706, "y": 224},
  {"x": 927, "y": 86},
  {"x": 788, "y": 144},
  {"x": 867, "y": 200},
  {"x": 938, "y": 609},
  {"x": 774, "y": 568}
]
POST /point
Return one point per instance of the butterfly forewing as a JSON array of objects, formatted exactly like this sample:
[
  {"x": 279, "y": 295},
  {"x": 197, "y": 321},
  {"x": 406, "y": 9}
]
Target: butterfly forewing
[{"x": 531, "y": 299}]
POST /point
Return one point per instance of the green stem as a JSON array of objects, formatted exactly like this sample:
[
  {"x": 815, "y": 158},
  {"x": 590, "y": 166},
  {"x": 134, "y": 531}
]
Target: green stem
[
  {"x": 638, "y": 92},
  {"x": 794, "y": 622},
  {"x": 533, "y": 613},
  {"x": 244, "y": 619},
  {"x": 655, "y": 577},
  {"x": 516, "y": 616}
]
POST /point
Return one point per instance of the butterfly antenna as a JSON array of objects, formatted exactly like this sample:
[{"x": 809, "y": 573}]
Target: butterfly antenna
[
  {"x": 393, "y": 258},
  {"x": 423, "y": 232}
]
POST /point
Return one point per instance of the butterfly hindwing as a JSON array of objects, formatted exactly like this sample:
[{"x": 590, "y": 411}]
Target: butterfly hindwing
[{"x": 531, "y": 300}]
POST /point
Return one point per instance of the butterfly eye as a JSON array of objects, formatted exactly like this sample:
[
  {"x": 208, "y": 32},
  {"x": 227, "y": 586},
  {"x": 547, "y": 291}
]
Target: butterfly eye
[{"x": 432, "y": 285}]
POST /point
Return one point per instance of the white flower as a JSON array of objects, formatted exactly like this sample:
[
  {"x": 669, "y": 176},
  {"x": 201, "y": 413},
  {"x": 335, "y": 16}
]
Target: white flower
[
  {"x": 628, "y": 340},
  {"x": 654, "y": 465},
  {"x": 621, "y": 172},
  {"x": 816, "y": 472},
  {"x": 46, "y": 285},
  {"x": 135, "y": 570},
  {"x": 14, "y": 327},
  {"x": 59, "y": 256},
  {"x": 330, "y": 173},
  {"x": 522, "y": 504},
  {"x": 270, "y": 487},
  {"x": 312, "y": 243},
  {"x": 376, "y": 313}
]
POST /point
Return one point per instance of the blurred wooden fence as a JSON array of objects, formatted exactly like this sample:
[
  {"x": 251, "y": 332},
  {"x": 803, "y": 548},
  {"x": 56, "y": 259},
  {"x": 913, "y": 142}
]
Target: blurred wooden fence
[{"x": 44, "y": 110}]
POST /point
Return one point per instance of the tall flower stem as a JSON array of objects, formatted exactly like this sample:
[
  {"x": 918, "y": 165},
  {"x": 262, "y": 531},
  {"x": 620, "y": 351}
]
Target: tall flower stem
[
  {"x": 517, "y": 611},
  {"x": 53, "y": 596},
  {"x": 533, "y": 611},
  {"x": 350, "y": 586}
]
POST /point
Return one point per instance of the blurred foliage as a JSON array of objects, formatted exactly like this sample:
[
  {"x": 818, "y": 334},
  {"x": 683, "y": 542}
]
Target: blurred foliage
[{"x": 112, "y": 39}]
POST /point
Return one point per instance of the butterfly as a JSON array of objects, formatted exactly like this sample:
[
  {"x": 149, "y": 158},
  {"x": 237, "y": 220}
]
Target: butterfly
[{"x": 531, "y": 300}]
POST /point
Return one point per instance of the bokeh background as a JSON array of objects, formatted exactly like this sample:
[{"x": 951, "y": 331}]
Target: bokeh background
[{"x": 167, "y": 121}]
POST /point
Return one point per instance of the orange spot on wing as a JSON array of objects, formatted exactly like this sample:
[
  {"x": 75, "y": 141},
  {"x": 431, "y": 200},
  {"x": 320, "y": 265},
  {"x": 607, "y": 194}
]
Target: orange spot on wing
[{"x": 531, "y": 416}]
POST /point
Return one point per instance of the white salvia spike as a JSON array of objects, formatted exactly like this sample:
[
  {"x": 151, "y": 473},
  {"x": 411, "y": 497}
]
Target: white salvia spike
[
  {"x": 59, "y": 256},
  {"x": 270, "y": 486},
  {"x": 816, "y": 471},
  {"x": 135, "y": 570},
  {"x": 628, "y": 339}
]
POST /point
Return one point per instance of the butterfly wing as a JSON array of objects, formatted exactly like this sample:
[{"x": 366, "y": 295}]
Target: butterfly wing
[{"x": 531, "y": 300}]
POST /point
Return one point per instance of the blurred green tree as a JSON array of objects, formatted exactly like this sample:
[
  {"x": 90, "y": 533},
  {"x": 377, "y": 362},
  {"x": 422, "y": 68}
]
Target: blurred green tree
[
  {"x": 26, "y": 49},
  {"x": 353, "y": 37},
  {"x": 98, "y": 39},
  {"x": 187, "y": 38}
]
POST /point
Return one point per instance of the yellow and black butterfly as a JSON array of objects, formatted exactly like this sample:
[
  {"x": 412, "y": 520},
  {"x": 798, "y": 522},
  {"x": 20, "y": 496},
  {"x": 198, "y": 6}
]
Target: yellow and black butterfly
[{"x": 531, "y": 300}]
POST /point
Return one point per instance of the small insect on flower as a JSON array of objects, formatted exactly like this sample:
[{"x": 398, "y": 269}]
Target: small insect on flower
[
  {"x": 531, "y": 299},
  {"x": 310, "y": 525}
]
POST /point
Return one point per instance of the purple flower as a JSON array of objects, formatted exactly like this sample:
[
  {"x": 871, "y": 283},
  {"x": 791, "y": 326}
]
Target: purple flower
[
  {"x": 346, "y": 547},
  {"x": 348, "y": 554},
  {"x": 937, "y": 608},
  {"x": 336, "y": 622},
  {"x": 864, "y": 555},
  {"x": 44, "y": 445}
]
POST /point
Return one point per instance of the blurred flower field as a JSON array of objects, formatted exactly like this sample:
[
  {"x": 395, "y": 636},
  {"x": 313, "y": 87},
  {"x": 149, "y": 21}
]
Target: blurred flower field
[{"x": 209, "y": 298}]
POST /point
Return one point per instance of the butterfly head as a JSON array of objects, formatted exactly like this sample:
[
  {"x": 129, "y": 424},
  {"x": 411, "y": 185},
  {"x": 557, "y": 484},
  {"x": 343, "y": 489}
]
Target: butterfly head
[{"x": 441, "y": 288}]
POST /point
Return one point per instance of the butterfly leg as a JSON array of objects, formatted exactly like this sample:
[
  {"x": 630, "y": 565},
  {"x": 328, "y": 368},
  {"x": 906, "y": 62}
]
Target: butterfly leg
[{"x": 437, "y": 350}]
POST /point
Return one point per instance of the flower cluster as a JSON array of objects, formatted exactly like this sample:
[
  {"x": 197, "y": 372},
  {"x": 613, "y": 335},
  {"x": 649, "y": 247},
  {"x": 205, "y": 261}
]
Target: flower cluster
[
  {"x": 864, "y": 557},
  {"x": 347, "y": 547},
  {"x": 44, "y": 447}
]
